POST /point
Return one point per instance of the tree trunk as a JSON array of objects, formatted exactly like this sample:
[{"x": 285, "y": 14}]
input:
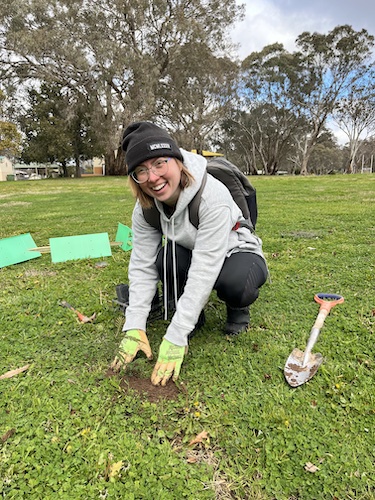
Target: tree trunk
[
  {"x": 78, "y": 165},
  {"x": 64, "y": 168},
  {"x": 115, "y": 163},
  {"x": 306, "y": 155},
  {"x": 350, "y": 168}
]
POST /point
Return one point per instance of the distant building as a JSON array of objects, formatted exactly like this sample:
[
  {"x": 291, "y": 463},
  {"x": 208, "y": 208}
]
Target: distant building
[
  {"x": 36, "y": 170},
  {"x": 6, "y": 169},
  {"x": 95, "y": 166}
]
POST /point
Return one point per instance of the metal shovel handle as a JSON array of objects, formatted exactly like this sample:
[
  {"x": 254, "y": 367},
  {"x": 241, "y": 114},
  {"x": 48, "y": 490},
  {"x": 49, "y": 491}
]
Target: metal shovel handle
[{"x": 327, "y": 301}]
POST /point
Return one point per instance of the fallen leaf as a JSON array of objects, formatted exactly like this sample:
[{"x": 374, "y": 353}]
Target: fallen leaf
[
  {"x": 12, "y": 373},
  {"x": 192, "y": 460},
  {"x": 7, "y": 435},
  {"x": 101, "y": 264},
  {"x": 115, "y": 468},
  {"x": 311, "y": 467},
  {"x": 199, "y": 438}
]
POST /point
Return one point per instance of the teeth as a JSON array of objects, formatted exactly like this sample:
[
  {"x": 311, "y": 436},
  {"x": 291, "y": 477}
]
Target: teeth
[{"x": 158, "y": 188}]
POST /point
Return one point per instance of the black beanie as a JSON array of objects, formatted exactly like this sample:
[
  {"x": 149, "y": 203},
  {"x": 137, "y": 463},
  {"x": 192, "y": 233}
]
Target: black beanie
[{"x": 144, "y": 140}]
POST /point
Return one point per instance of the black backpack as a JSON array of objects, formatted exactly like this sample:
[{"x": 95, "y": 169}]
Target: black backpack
[{"x": 242, "y": 191}]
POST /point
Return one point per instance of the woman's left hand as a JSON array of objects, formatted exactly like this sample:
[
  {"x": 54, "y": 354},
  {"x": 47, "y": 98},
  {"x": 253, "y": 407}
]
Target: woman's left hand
[{"x": 169, "y": 362}]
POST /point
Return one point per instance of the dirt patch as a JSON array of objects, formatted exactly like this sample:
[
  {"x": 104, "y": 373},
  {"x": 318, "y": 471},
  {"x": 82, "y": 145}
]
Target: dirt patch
[
  {"x": 36, "y": 273},
  {"x": 18, "y": 203},
  {"x": 144, "y": 387}
]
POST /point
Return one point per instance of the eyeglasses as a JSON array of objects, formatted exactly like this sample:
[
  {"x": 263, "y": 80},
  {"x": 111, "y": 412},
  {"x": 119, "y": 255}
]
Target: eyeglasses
[{"x": 142, "y": 174}]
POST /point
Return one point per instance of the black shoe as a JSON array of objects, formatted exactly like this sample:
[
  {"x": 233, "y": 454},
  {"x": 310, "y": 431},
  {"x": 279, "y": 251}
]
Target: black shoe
[
  {"x": 200, "y": 323},
  {"x": 156, "y": 311},
  {"x": 238, "y": 320},
  {"x": 122, "y": 292}
]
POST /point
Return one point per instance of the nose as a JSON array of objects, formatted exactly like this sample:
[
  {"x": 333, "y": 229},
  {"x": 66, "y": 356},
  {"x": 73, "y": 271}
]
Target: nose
[{"x": 152, "y": 177}]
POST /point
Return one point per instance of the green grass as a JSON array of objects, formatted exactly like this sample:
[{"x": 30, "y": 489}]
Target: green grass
[{"x": 74, "y": 426}]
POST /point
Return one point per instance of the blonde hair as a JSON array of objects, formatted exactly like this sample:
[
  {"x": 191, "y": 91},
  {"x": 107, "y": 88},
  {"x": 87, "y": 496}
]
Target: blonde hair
[{"x": 147, "y": 201}]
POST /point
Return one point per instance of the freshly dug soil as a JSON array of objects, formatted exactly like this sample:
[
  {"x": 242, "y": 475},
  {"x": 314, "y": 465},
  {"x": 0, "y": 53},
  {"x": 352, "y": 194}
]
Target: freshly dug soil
[{"x": 153, "y": 393}]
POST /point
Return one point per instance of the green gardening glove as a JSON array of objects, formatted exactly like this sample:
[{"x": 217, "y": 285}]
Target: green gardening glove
[
  {"x": 134, "y": 341},
  {"x": 170, "y": 360}
]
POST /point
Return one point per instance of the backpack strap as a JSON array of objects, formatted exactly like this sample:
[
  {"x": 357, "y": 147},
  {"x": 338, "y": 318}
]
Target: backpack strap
[
  {"x": 152, "y": 216},
  {"x": 194, "y": 208},
  {"x": 195, "y": 202}
]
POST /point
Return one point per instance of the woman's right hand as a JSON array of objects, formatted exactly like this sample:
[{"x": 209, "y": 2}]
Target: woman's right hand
[{"x": 134, "y": 341}]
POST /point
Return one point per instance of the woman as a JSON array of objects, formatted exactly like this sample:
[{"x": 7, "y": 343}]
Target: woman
[{"x": 220, "y": 254}]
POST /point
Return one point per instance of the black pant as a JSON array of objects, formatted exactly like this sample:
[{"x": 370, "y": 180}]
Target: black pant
[{"x": 238, "y": 283}]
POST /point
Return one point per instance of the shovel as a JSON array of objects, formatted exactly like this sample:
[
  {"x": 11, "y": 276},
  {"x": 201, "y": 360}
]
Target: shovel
[
  {"x": 82, "y": 318},
  {"x": 302, "y": 366}
]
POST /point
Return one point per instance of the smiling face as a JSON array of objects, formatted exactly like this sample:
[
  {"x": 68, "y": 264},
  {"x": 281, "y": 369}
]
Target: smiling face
[{"x": 165, "y": 188}]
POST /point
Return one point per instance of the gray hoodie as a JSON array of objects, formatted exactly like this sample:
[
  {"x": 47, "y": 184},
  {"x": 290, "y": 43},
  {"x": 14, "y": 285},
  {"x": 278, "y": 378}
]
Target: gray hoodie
[{"x": 211, "y": 243}]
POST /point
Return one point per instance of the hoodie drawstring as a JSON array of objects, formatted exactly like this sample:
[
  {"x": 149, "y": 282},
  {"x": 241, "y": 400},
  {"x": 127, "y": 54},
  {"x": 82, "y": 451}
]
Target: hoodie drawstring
[
  {"x": 174, "y": 266},
  {"x": 165, "y": 284},
  {"x": 174, "y": 271}
]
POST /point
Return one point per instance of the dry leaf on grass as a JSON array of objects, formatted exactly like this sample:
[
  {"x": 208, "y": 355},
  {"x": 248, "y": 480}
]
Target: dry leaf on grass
[
  {"x": 311, "y": 467},
  {"x": 12, "y": 373},
  {"x": 199, "y": 438},
  {"x": 115, "y": 468},
  {"x": 7, "y": 435}
]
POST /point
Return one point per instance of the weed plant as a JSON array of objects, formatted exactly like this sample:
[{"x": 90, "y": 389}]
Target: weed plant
[{"x": 70, "y": 431}]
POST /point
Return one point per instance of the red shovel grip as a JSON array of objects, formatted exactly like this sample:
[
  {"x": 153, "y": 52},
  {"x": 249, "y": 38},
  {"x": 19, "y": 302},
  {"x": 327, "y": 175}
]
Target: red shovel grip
[{"x": 328, "y": 300}]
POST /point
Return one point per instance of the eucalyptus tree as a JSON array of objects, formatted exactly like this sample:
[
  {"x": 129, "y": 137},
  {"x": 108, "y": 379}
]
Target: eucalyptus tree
[
  {"x": 122, "y": 55},
  {"x": 274, "y": 121},
  {"x": 193, "y": 104},
  {"x": 10, "y": 138},
  {"x": 330, "y": 66},
  {"x": 303, "y": 88},
  {"x": 326, "y": 157},
  {"x": 366, "y": 154},
  {"x": 57, "y": 128},
  {"x": 355, "y": 116}
]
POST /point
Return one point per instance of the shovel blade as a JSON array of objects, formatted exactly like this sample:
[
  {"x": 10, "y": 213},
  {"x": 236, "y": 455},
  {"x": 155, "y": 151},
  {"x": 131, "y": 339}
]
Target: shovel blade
[{"x": 296, "y": 372}]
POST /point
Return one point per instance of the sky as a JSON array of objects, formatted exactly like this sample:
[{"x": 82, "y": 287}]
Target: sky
[{"x": 271, "y": 21}]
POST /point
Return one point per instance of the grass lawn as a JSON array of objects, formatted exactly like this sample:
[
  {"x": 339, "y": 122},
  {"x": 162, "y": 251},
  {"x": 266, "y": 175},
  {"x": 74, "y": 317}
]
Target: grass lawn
[{"x": 69, "y": 429}]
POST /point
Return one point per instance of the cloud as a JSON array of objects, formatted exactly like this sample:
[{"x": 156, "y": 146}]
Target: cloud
[
  {"x": 282, "y": 21},
  {"x": 271, "y": 21}
]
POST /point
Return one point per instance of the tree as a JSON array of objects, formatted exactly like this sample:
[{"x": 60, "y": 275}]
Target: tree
[
  {"x": 121, "y": 55},
  {"x": 275, "y": 122},
  {"x": 10, "y": 138},
  {"x": 57, "y": 128},
  {"x": 300, "y": 90},
  {"x": 327, "y": 156},
  {"x": 193, "y": 103},
  {"x": 330, "y": 65},
  {"x": 365, "y": 156},
  {"x": 355, "y": 116}
]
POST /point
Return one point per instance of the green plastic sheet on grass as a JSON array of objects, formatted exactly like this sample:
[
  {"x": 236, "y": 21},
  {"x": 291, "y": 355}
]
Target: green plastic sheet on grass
[
  {"x": 84, "y": 246},
  {"x": 16, "y": 249},
  {"x": 125, "y": 236}
]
